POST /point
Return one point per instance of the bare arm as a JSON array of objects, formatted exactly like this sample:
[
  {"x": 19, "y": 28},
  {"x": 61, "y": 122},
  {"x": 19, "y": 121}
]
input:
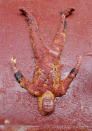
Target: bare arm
[
  {"x": 24, "y": 83},
  {"x": 67, "y": 81}
]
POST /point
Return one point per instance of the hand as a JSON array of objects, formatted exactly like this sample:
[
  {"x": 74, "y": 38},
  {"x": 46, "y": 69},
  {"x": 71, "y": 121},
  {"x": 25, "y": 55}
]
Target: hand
[
  {"x": 13, "y": 64},
  {"x": 13, "y": 60},
  {"x": 79, "y": 59}
]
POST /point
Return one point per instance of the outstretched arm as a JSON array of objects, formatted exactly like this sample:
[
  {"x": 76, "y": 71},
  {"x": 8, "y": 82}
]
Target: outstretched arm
[
  {"x": 24, "y": 83},
  {"x": 67, "y": 81}
]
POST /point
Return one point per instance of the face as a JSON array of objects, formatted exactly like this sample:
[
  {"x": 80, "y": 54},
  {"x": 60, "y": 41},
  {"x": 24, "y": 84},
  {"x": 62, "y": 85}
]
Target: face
[{"x": 48, "y": 104}]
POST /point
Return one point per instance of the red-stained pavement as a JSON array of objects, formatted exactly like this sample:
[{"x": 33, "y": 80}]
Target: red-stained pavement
[{"x": 18, "y": 109}]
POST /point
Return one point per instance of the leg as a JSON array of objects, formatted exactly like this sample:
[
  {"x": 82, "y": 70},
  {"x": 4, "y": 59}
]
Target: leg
[
  {"x": 59, "y": 40},
  {"x": 37, "y": 44},
  {"x": 34, "y": 33}
]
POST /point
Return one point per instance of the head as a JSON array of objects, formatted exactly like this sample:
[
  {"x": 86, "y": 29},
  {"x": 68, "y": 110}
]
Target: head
[{"x": 48, "y": 104}]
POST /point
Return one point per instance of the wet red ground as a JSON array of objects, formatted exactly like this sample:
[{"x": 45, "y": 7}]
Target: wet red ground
[{"x": 17, "y": 107}]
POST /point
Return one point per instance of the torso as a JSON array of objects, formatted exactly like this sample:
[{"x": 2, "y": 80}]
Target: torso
[{"x": 47, "y": 75}]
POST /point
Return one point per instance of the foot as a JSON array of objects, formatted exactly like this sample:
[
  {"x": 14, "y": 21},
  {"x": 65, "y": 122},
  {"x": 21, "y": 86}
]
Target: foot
[
  {"x": 30, "y": 19},
  {"x": 67, "y": 12},
  {"x": 23, "y": 12},
  {"x": 26, "y": 15}
]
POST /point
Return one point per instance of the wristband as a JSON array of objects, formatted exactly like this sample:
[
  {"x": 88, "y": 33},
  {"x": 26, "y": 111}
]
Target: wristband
[
  {"x": 73, "y": 71},
  {"x": 18, "y": 76}
]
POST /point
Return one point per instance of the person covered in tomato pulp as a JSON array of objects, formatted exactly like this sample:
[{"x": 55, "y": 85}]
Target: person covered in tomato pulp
[{"x": 47, "y": 83}]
